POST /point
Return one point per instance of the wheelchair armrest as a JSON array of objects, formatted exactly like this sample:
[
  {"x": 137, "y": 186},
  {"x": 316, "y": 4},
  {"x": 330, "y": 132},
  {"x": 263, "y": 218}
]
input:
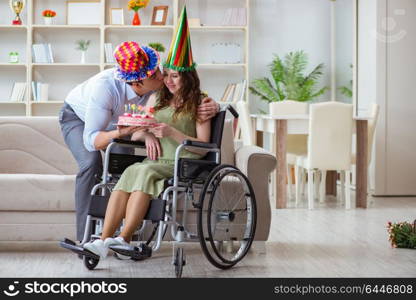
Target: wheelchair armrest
[
  {"x": 136, "y": 144},
  {"x": 202, "y": 145}
]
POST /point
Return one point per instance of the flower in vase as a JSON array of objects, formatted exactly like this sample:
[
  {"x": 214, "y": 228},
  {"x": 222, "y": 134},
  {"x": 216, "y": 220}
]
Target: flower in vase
[
  {"x": 48, "y": 13},
  {"x": 137, "y": 4}
]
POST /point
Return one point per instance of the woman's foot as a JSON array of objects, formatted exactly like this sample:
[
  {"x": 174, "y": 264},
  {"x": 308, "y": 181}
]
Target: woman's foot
[
  {"x": 118, "y": 241},
  {"x": 115, "y": 241},
  {"x": 97, "y": 247}
]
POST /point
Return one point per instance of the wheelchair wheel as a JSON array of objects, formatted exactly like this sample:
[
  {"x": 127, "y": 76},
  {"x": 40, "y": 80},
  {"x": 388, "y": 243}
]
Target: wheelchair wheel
[
  {"x": 90, "y": 263},
  {"x": 179, "y": 262},
  {"x": 227, "y": 213}
]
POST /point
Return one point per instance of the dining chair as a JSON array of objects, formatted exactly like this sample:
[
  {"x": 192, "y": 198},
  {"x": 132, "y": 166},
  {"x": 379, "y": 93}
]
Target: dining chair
[
  {"x": 372, "y": 123},
  {"x": 329, "y": 148}
]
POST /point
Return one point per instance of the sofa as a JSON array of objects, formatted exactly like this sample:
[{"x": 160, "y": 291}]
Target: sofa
[{"x": 37, "y": 181}]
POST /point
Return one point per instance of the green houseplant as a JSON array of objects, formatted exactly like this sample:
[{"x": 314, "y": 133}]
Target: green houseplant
[
  {"x": 402, "y": 234},
  {"x": 157, "y": 46},
  {"x": 346, "y": 90},
  {"x": 83, "y": 47},
  {"x": 289, "y": 80}
]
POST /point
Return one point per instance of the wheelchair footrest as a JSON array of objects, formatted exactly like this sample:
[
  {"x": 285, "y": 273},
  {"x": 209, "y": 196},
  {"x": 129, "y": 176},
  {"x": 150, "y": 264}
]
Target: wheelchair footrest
[
  {"x": 139, "y": 252},
  {"x": 71, "y": 245}
]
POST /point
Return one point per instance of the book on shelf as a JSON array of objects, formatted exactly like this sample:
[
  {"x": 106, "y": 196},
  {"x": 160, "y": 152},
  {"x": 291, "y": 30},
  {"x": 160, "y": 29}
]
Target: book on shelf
[
  {"x": 234, "y": 92},
  {"x": 225, "y": 94},
  {"x": 40, "y": 91},
  {"x": 108, "y": 50},
  {"x": 42, "y": 53},
  {"x": 18, "y": 92},
  {"x": 235, "y": 17}
]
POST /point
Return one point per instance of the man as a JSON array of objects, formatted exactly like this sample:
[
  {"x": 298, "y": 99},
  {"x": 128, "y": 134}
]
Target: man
[{"x": 92, "y": 108}]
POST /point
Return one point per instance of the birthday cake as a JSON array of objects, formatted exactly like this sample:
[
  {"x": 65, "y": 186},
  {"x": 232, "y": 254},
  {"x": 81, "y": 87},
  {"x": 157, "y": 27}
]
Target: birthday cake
[{"x": 137, "y": 116}]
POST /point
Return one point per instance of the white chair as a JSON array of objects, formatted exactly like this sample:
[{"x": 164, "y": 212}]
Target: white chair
[
  {"x": 296, "y": 143},
  {"x": 372, "y": 123},
  {"x": 329, "y": 147}
]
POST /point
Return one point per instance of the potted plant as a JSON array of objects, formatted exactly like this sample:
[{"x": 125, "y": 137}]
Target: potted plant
[
  {"x": 402, "y": 234},
  {"x": 136, "y": 5},
  {"x": 83, "y": 46},
  {"x": 157, "y": 46},
  {"x": 48, "y": 16},
  {"x": 289, "y": 80}
]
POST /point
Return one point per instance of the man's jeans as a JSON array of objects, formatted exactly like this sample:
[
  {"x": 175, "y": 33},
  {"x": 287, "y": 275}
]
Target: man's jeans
[{"x": 89, "y": 163}]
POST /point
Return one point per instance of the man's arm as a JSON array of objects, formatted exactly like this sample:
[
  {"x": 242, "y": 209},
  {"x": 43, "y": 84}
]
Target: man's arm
[
  {"x": 97, "y": 118},
  {"x": 207, "y": 109},
  {"x": 104, "y": 138}
]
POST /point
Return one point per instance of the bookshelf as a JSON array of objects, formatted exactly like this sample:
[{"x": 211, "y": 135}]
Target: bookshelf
[{"x": 67, "y": 71}]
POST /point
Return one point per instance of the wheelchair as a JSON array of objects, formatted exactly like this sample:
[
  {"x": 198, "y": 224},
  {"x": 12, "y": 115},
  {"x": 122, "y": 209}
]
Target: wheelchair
[{"x": 225, "y": 208}]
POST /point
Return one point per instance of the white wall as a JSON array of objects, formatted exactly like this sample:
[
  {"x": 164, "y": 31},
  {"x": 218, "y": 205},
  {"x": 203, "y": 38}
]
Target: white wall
[
  {"x": 281, "y": 26},
  {"x": 367, "y": 45},
  {"x": 344, "y": 46},
  {"x": 396, "y": 70}
]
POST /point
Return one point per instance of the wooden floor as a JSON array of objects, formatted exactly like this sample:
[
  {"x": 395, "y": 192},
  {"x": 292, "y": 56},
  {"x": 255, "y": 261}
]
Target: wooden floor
[{"x": 325, "y": 242}]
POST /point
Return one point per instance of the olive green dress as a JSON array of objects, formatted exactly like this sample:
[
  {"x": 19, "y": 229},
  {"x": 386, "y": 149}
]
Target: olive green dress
[{"x": 149, "y": 176}]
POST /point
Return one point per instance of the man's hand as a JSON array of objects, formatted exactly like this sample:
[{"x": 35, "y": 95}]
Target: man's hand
[
  {"x": 153, "y": 148},
  {"x": 128, "y": 130},
  {"x": 207, "y": 109}
]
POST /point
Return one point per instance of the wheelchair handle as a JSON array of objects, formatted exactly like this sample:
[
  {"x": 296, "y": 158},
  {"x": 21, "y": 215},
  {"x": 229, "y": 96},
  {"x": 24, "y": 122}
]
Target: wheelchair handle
[
  {"x": 199, "y": 144},
  {"x": 231, "y": 109}
]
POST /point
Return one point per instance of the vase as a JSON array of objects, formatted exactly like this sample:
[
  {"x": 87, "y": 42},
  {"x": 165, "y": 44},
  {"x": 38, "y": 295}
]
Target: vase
[
  {"x": 47, "y": 20},
  {"x": 136, "y": 19},
  {"x": 83, "y": 57}
]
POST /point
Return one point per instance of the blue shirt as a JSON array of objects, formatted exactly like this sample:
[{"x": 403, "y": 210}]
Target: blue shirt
[{"x": 99, "y": 102}]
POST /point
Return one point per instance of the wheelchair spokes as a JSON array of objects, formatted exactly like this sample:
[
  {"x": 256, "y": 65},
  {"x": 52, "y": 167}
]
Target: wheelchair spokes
[{"x": 227, "y": 215}]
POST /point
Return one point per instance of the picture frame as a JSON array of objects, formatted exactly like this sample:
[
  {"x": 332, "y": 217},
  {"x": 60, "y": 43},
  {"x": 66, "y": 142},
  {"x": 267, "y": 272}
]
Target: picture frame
[
  {"x": 83, "y": 12},
  {"x": 116, "y": 16},
  {"x": 160, "y": 14}
]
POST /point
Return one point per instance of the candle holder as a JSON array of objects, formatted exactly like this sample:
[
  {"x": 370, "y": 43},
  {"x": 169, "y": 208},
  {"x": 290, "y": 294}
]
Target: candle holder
[{"x": 17, "y": 7}]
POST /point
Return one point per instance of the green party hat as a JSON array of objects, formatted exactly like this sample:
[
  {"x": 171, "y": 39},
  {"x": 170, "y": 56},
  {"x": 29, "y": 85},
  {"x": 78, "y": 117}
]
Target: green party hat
[{"x": 180, "y": 52}]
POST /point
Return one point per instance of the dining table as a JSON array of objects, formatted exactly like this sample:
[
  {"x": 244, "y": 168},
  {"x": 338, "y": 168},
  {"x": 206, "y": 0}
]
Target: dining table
[{"x": 279, "y": 126}]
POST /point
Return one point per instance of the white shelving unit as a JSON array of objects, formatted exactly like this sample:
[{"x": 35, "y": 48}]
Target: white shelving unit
[{"x": 67, "y": 71}]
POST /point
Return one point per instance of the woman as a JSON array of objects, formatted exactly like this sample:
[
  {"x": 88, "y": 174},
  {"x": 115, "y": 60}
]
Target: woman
[{"x": 175, "y": 111}]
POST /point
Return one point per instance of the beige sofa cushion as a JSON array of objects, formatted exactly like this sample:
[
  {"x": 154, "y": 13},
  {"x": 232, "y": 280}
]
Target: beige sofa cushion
[
  {"x": 37, "y": 192},
  {"x": 36, "y": 226},
  {"x": 34, "y": 145}
]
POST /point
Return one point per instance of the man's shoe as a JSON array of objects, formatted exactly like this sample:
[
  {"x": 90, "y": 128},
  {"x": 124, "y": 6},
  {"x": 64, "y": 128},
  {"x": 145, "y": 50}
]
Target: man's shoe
[{"x": 97, "y": 247}]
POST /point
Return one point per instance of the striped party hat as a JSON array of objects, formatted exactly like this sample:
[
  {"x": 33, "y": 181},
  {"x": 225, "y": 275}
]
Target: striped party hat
[
  {"x": 135, "y": 62},
  {"x": 180, "y": 52}
]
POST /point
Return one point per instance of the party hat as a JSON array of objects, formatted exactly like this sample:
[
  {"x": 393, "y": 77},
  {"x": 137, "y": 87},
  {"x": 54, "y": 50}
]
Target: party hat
[
  {"x": 180, "y": 52},
  {"x": 135, "y": 62}
]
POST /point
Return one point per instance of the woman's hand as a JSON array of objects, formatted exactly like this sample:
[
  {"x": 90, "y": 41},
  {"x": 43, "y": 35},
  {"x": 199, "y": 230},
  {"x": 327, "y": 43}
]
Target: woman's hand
[
  {"x": 153, "y": 148},
  {"x": 162, "y": 130},
  {"x": 207, "y": 109}
]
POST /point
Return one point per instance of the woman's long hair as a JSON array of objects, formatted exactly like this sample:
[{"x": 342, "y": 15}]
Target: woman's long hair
[{"x": 188, "y": 96}]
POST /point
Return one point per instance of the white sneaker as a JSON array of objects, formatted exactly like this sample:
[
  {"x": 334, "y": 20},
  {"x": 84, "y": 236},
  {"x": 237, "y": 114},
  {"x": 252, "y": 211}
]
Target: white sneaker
[
  {"x": 116, "y": 242},
  {"x": 97, "y": 247}
]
